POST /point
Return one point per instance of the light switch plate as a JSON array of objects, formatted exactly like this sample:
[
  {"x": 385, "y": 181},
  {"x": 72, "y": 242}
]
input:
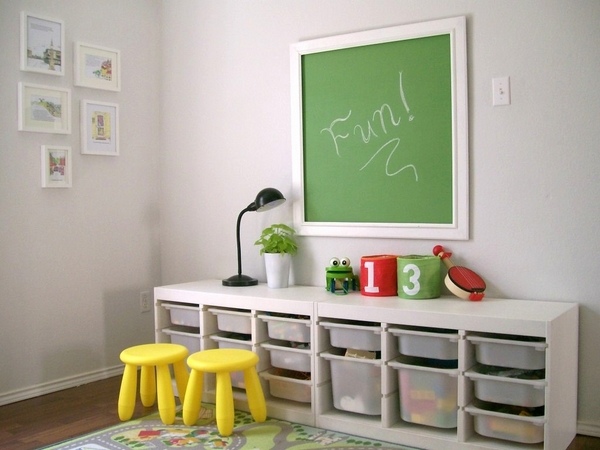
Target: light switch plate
[{"x": 501, "y": 91}]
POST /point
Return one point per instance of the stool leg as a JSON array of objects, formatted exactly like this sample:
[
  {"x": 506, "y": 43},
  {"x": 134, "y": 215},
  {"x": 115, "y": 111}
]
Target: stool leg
[
  {"x": 254, "y": 392},
  {"x": 193, "y": 398},
  {"x": 148, "y": 386},
  {"x": 166, "y": 399},
  {"x": 127, "y": 393},
  {"x": 224, "y": 404},
  {"x": 181, "y": 378}
]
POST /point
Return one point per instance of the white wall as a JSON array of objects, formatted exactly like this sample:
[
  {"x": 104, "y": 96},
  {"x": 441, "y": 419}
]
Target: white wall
[
  {"x": 534, "y": 190},
  {"x": 216, "y": 107},
  {"x": 73, "y": 261}
]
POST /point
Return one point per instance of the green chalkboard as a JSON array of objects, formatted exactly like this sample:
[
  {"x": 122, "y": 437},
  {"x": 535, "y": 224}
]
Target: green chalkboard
[{"x": 378, "y": 131}]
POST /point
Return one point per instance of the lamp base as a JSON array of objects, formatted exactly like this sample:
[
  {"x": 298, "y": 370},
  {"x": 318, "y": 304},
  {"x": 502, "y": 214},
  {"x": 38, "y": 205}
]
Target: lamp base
[{"x": 240, "y": 280}]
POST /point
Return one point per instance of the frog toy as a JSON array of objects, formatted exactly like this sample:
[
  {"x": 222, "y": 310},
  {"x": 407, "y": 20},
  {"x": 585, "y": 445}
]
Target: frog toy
[{"x": 339, "y": 277}]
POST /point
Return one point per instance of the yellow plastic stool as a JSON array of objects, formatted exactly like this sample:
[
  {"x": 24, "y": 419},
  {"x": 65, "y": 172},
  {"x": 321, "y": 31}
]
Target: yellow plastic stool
[
  {"x": 149, "y": 356},
  {"x": 222, "y": 362}
]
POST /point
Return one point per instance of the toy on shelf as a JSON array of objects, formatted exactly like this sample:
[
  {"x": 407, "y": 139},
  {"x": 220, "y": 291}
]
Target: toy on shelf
[
  {"x": 462, "y": 282},
  {"x": 339, "y": 277}
]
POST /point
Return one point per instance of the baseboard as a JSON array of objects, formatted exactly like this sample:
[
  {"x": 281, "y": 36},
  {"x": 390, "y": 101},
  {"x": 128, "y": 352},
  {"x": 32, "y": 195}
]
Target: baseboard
[
  {"x": 588, "y": 428},
  {"x": 59, "y": 385}
]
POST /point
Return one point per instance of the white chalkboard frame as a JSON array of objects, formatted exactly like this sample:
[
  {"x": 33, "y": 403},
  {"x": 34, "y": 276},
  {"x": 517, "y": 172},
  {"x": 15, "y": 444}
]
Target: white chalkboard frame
[{"x": 459, "y": 228}]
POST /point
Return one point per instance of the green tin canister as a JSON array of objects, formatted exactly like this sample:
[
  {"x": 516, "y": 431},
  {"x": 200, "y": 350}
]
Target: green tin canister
[{"x": 419, "y": 277}]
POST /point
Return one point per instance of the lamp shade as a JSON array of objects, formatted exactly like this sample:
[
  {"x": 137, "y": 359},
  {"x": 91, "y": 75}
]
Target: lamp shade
[{"x": 267, "y": 199}]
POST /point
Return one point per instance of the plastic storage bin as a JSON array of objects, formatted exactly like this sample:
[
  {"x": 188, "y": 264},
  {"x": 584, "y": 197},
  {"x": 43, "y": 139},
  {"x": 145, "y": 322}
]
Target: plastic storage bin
[
  {"x": 289, "y": 388},
  {"x": 287, "y": 328},
  {"x": 186, "y": 336},
  {"x": 509, "y": 387},
  {"x": 428, "y": 395},
  {"x": 427, "y": 343},
  {"x": 224, "y": 341},
  {"x": 188, "y": 316},
  {"x": 356, "y": 383},
  {"x": 355, "y": 335},
  {"x": 515, "y": 428},
  {"x": 500, "y": 351},
  {"x": 235, "y": 321},
  {"x": 284, "y": 356}
]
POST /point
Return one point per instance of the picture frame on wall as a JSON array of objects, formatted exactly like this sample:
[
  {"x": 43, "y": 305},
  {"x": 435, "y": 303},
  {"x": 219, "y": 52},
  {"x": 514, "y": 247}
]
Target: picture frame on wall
[
  {"x": 42, "y": 42},
  {"x": 57, "y": 167},
  {"x": 44, "y": 109},
  {"x": 99, "y": 128},
  {"x": 97, "y": 67}
]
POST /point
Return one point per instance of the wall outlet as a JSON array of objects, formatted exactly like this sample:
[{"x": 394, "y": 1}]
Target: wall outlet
[{"x": 145, "y": 302}]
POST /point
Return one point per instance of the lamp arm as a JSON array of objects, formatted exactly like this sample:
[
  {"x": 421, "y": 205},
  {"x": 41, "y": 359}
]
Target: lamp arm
[{"x": 237, "y": 235}]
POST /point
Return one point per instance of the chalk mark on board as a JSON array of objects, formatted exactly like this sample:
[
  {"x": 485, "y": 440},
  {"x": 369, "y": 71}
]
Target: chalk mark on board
[{"x": 367, "y": 132}]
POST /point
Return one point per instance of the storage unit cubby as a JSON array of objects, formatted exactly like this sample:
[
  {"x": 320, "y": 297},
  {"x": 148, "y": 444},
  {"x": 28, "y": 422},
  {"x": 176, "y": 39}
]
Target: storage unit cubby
[{"x": 440, "y": 373}]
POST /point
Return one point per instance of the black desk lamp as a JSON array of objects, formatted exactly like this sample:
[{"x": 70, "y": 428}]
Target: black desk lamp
[{"x": 266, "y": 199}]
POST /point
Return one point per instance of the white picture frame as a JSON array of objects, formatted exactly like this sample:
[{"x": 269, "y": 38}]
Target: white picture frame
[
  {"x": 44, "y": 109},
  {"x": 42, "y": 44},
  {"x": 57, "y": 166},
  {"x": 99, "y": 128},
  {"x": 456, "y": 207},
  {"x": 97, "y": 67}
]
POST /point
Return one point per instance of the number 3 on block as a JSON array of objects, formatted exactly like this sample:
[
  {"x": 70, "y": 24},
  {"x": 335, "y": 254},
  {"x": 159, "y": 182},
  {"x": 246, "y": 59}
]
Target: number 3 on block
[{"x": 413, "y": 279}]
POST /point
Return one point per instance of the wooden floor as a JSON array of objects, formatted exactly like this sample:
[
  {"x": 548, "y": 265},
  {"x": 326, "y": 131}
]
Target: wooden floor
[{"x": 52, "y": 418}]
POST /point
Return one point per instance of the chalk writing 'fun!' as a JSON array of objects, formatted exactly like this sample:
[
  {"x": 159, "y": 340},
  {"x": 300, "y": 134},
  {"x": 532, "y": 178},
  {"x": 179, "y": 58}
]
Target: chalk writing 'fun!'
[{"x": 379, "y": 130}]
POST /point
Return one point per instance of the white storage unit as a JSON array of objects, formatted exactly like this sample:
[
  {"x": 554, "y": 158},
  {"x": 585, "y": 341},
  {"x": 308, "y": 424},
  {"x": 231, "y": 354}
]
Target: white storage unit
[{"x": 462, "y": 334}]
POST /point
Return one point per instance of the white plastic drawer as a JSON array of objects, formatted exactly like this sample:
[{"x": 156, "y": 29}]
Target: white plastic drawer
[
  {"x": 233, "y": 321},
  {"x": 223, "y": 341},
  {"x": 287, "y": 328},
  {"x": 354, "y": 335},
  {"x": 508, "y": 387},
  {"x": 427, "y": 343},
  {"x": 356, "y": 383},
  {"x": 428, "y": 395},
  {"x": 284, "y": 356},
  {"x": 188, "y": 316},
  {"x": 509, "y": 427},
  {"x": 516, "y": 353},
  {"x": 188, "y": 337},
  {"x": 289, "y": 388}
]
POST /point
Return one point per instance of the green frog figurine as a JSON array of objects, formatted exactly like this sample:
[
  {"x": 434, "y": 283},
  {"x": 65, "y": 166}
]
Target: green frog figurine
[{"x": 339, "y": 277}]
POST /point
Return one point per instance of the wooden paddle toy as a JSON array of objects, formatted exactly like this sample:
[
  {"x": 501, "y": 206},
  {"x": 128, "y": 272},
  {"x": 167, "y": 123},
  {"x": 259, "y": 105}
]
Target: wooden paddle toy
[{"x": 462, "y": 282}]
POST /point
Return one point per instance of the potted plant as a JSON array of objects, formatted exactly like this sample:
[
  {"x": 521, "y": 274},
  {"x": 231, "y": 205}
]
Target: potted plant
[{"x": 278, "y": 246}]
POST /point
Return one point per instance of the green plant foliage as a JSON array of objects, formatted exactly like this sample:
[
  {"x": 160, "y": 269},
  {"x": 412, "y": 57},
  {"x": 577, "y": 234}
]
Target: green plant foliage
[{"x": 278, "y": 238}]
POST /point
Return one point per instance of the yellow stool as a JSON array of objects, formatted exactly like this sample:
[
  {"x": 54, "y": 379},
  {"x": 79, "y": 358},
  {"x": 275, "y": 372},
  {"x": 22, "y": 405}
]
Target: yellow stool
[
  {"x": 149, "y": 356},
  {"x": 222, "y": 362}
]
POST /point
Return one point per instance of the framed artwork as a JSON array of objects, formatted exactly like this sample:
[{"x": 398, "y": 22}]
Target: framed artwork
[
  {"x": 99, "y": 128},
  {"x": 42, "y": 42},
  {"x": 97, "y": 67},
  {"x": 57, "y": 169},
  {"x": 44, "y": 109},
  {"x": 379, "y": 127}
]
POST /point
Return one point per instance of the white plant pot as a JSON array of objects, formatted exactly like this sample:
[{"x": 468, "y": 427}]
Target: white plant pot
[{"x": 277, "y": 266}]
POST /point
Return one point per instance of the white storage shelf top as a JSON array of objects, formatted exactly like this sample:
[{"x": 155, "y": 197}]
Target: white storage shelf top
[{"x": 520, "y": 317}]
